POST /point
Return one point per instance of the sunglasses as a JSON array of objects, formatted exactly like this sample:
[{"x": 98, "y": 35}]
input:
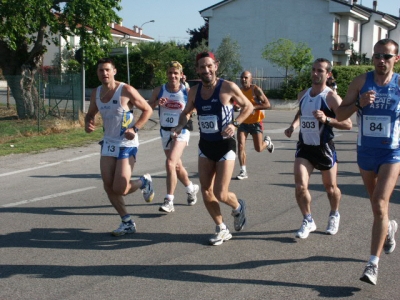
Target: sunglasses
[{"x": 381, "y": 55}]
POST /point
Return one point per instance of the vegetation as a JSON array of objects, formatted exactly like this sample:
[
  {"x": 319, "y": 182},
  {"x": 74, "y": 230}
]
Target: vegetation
[
  {"x": 292, "y": 57},
  {"x": 229, "y": 56},
  {"x": 29, "y": 25}
]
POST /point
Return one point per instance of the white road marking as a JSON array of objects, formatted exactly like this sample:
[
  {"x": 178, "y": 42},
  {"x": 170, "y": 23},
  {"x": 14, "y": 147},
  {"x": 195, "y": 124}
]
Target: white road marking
[{"x": 48, "y": 197}]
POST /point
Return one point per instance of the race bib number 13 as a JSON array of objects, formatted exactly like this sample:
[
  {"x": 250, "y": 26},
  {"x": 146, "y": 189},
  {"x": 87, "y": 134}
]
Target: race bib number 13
[{"x": 109, "y": 149}]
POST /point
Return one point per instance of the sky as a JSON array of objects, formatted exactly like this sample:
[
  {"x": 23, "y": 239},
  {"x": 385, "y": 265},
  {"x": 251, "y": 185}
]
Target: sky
[{"x": 172, "y": 18}]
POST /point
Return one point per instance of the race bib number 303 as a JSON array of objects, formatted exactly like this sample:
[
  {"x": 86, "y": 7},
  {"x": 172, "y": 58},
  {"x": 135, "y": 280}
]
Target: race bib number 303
[
  {"x": 109, "y": 149},
  {"x": 309, "y": 124},
  {"x": 376, "y": 126}
]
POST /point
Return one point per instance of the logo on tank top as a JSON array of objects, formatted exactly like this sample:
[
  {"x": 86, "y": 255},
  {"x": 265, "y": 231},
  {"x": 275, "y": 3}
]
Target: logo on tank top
[
  {"x": 206, "y": 107},
  {"x": 174, "y": 105}
]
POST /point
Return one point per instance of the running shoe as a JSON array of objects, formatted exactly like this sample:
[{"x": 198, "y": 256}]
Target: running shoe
[
  {"x": 167, "y": 207},
  {"x": 305, "y": 229},
  {"x": 390, "y": 242},
  {"x": 124, "y": 228},
  {"x": 242, "y": 175},
  {"x": 220, "y": 236},
  {"x": 240, "y": 218},
  {"x": 147, "y": 190},
  {"x": 333, "y": 225},
  {"x": 370, "y": 274},
  {"x": 192, "y": 197},
  {"x": 270, "y": 145}
]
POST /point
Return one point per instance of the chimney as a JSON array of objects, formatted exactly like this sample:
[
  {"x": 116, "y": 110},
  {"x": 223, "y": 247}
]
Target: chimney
[
  {"x": 112, "y": 25},
  {"x": 120, "y": 23},
  {"x": 140, "y": 31},
  {"x": 375, "y": 5}
]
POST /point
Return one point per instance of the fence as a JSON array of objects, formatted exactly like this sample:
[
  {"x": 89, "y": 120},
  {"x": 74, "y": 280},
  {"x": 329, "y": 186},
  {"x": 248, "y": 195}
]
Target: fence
[
  {"x": 266, "y": 83},
  {"x": 52, "y": 95}
]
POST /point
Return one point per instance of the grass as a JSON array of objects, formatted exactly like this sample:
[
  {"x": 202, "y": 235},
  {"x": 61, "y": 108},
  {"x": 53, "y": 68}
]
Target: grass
[{"x": 25, "y": 136}]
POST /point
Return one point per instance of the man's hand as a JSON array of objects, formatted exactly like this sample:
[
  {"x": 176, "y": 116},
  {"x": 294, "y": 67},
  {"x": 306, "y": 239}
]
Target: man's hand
[
  {"x": 89, "y": 125},
  {"x": 289, "y": 131},
  {"x": 130, "y": 134},
  {"x": 229, "y": 131}
]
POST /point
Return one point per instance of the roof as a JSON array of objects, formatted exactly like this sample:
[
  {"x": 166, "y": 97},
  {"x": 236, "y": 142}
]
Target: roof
[{"x": 118, "y": 29}]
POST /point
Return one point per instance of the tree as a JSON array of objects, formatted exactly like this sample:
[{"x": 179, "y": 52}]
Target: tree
[
  {"x": 198, "y": 36},
  {"x": 288, "y": 55},
  {"x": 228, "y": 55},
  {"x": 27, "y": 26}
]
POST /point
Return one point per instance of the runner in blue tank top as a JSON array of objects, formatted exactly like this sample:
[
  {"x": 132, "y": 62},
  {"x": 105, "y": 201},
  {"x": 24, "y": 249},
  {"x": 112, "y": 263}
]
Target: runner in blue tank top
[
  {"x": 213, "y": 99},
  {"x": 375, "y": 96}
]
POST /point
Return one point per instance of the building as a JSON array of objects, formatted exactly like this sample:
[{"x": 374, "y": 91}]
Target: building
[
  {"x": 120, "y": 35},
  {"x": 333, "y": 29}
]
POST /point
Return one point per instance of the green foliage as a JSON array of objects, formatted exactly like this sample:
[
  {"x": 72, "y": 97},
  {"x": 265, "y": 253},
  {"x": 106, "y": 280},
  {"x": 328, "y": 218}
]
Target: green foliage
[
  {"x": 292, "y": 57},
  {"x": 228, "y": 55}
]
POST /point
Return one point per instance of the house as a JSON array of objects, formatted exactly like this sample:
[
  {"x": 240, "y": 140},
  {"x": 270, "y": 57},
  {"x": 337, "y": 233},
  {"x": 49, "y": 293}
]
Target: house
[
  {"x": 120, "y": 35},
  {"x": 333, "y": 29}
]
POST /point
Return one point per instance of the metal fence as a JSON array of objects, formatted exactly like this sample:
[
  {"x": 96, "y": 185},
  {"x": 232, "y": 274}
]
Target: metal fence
[
  {"x": 58, "y": 95},
  {"x": 266, "y": 83}
]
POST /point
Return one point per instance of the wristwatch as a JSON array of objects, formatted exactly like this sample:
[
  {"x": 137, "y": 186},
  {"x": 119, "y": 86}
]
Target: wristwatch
[
  {"x": 328, "y": 120},
  {"x": 135, "y": 129},
  {"x": 235, "y": 123}
]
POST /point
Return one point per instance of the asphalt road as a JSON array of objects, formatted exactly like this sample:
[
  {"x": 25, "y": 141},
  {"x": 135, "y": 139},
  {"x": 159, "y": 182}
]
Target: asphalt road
[{"x": 55, "y": 225}]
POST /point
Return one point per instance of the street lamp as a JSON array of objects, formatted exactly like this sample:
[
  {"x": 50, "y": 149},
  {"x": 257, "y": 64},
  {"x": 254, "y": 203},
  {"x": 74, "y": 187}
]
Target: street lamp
[{"x": 141, "y": 26}]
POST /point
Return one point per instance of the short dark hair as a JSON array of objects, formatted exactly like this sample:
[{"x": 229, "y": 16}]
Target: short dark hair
[
  {"x": 205, "y": 54},
  {"x": 106, "y": 60},
  {"x": 384, "y": 42},
  {"x": 328, "y": 63}
]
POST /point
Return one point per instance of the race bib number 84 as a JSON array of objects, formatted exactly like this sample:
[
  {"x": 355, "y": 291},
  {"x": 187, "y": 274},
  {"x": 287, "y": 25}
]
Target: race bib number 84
[{"x": 376, "y": 126}]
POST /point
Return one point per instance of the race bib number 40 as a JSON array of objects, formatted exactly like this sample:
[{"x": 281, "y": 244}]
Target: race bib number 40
[
  {"x": 208, "y": 124},
  {"x": 109, "y": 149},
  {"x": 376, "y": 126},
  {"x": 169, "y": 119}
]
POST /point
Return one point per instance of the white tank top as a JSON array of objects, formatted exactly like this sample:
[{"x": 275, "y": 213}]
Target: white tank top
[{"x": 116, "y": 119}]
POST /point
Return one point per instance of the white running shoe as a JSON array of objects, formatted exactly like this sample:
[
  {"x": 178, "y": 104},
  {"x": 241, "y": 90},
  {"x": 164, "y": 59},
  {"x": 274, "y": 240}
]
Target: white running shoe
[
  {"x": 192, "y": 197},
  {"x": 242, "y": 175},
  {"x": 167, "y": 207},
  {"x": 270, "y": 145},
  {"x": 220, "y": 236},
  {"x": 305, "y": 229},
  {"x": 124, "y": 228},
  {"x": 370, "y": 274},
  {"x": 390, "y": 242},
  {"x": 333, "y": 225},
  {"x": 148, "y": 190}
]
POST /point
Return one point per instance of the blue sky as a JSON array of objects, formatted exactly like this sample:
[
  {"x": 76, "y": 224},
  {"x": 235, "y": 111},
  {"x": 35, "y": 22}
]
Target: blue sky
[{"x": 174, "y": 17}]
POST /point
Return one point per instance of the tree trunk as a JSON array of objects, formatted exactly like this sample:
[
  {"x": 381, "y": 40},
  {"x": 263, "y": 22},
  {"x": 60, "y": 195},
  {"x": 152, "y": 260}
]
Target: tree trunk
[{"x": 25, "y": 93}]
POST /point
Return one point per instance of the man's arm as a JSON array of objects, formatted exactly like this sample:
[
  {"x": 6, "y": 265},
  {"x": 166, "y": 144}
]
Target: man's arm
[
  {"x": 92, "y": 111},
  {"x": 153, "y": 101},
  {"x": 348, "y": 107},
  {"x": 246, "y": 108},
  {"x": 140, "y": 103},
  {"x": 186, "y": 113},
  {"x": 262, "y": 99},
  {"x": 296, "y": 120},
  {"x": 333, "y": 100}
]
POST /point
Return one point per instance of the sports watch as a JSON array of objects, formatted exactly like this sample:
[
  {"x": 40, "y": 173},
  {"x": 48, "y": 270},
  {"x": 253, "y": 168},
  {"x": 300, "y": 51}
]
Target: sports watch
[
  {"x": 328, "y": 120},
  {"x": 135, "y": 129},
  {"x": 235, "y": 123}
]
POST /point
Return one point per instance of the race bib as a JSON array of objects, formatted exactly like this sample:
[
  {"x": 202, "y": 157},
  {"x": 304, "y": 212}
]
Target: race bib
[
  {"x": 309, "y": 124},
  {"x": 109, "y": 149},
  {"x": 169, "y": 119},
  {"x": 208, "y": 124},
  {"x": 376, "y": 126}
]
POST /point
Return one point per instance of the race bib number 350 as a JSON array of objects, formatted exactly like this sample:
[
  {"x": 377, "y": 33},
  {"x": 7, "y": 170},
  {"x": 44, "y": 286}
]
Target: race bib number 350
[{"x": 208, "y": 124}]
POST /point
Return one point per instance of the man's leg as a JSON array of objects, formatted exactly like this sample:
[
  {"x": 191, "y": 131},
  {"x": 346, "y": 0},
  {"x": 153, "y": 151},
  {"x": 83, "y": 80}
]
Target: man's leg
[
  {"x": 175, "y": 169},
  {"x": 329, "y": 180},
  {"x": 259, "y": 142},
  {"x": 241, "y": 144},
  {"x": 302, "y": 172}
]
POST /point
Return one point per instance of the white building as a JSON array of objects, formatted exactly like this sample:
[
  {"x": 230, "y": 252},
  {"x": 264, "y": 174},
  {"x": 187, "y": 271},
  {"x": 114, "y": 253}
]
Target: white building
[
  {"x": 120, "y": 35},
  {"x": 331, "y": 28}
]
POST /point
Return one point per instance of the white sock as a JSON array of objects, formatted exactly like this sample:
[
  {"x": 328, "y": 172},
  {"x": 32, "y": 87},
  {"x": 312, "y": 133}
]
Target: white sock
[
  {"x": 190, "y": 188},
  {"x": 170, "y": 197},
  {"x": 374, "y": 260},
  {"x": 221, "y": 226},
  {"x": 243, "y": 168}
]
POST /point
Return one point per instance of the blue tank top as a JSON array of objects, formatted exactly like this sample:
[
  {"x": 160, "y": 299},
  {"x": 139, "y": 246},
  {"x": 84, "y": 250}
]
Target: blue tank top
[
  {"x": 378, "y": 123},
  {"x": 313, "y": 132},
  {"x": 212, "y": 115}
]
